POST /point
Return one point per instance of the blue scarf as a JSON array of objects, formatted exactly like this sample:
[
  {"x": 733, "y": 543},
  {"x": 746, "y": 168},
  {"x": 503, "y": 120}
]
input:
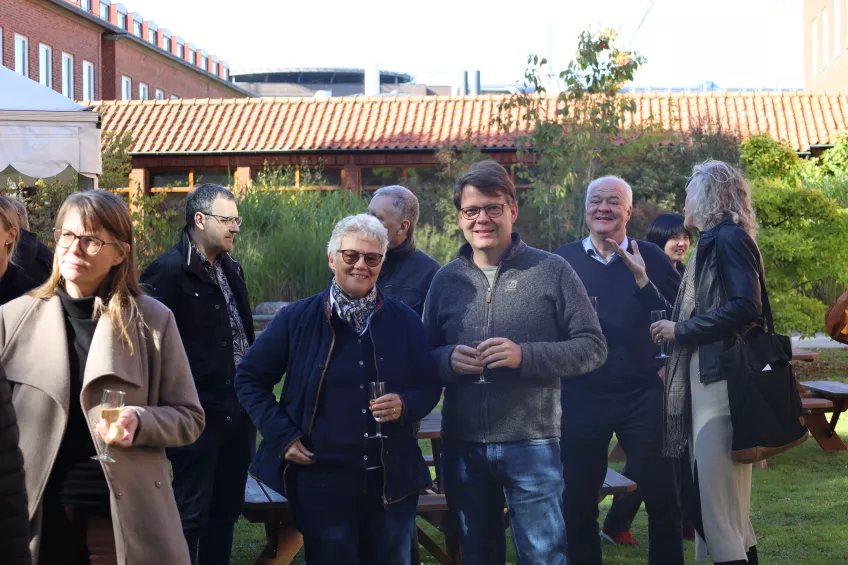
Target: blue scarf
[{"x": 355, "y": 311}]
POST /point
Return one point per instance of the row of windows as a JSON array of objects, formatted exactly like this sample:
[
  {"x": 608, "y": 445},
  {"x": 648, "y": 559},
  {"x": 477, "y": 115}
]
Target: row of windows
[
  {"x": 138, "y": 31},
  {"x": 45, "y": 67},
  {"x": 827, "y": 36},
  {"x": 143, "y": 91}
]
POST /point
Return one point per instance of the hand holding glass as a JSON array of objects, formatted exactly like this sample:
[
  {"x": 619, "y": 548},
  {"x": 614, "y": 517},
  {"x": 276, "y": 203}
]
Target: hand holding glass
[
  {"x": 375, "y": 391},
  {"x": 480, "y": 334},
  {"x": 656, "y": 316},
  {"x": 110, "y": 410}
]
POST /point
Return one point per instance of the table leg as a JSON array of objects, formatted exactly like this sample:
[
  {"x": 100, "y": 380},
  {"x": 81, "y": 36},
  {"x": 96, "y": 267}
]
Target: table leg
[
  {"x": 436, "y": 445},
  {"x": 820, "y": 429},
  {"x": 838, "y": 404},
  {"x": 282, "y": 542}
]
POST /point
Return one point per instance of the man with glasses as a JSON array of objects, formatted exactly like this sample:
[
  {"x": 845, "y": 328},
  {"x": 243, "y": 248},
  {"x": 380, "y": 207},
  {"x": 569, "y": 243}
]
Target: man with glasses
[
  {"x": 520, "y": 318},
  {"x": 204, "y": 287}
]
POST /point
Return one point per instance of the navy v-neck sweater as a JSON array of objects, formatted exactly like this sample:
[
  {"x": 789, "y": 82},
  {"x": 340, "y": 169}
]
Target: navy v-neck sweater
[{"x": 625, "y": 320}]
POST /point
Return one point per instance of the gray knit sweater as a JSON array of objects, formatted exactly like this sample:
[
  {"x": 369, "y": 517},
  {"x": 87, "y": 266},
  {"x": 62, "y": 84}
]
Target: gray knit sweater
[{"x": 538, "y": 302}]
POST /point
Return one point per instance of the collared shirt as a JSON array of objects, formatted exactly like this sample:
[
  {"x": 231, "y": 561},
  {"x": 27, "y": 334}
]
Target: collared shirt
[
  {"x": 216, "y": 273},
  {"x": 590, "y": 250}
]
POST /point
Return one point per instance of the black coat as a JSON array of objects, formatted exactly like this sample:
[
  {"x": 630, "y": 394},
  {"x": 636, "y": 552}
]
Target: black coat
[
  {"x": 406, "y": 275},
  {"x": 14, "y": 520},
  {"x": 178, "y": 280},
  {"x": 727, "y": 277},
  {"x": 15, "y": 283},
  {"x": 35, "y": 258}
]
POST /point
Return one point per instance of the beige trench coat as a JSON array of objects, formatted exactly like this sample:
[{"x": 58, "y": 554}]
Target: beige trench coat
[{"x": 157, "y": 380}]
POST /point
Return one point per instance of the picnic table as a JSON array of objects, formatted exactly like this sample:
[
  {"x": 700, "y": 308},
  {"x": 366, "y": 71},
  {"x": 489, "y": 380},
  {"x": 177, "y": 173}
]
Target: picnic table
[
  {"x": 264, "y": 505},
  {"x": 830, "y": 397}
]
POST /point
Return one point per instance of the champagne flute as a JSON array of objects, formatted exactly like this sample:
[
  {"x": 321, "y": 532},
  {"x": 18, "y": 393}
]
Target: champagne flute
[
  {"x": 656, "y": 316},
  {"x": 110, "y": 409},
  {"x": 480, "y": 334},
  {"x": 375, "y": 391},
  {"x": 593, "y": 300}
]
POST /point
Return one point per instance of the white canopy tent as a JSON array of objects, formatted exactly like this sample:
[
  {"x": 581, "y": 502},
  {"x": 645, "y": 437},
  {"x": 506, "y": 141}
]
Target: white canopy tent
[{"x": 44, "y": 135}]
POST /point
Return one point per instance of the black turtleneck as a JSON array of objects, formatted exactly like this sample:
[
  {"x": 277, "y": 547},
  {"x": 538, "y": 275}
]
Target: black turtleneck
[{"x": 76, "y": 479}]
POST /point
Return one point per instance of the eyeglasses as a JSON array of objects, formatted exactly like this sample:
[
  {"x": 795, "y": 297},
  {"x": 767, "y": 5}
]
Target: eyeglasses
[
  {"x": 227, "y": 220},
  {"x": 89, "y": 244},
  {"x": 352, "y": 257},
  {"x": 492, "y": 211}
]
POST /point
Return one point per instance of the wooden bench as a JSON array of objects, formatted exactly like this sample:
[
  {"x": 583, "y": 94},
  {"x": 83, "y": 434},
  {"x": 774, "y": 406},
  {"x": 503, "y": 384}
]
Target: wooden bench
[
  {"x": 282, "y": 541},
  {"x": 830, "y": 397}
]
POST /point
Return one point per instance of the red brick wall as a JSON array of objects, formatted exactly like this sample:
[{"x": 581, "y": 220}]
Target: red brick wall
[
  {"x": 141, "y": 65},
  {"x": 42, "y": 22},
  {"x": 53, "y": 26}
]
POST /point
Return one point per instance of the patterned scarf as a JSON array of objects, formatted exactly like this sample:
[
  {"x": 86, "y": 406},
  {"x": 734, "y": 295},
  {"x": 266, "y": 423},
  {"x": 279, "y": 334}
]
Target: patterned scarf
[
  {"x": 355, "y": 311},
  {"x": 677, "y": 392}
]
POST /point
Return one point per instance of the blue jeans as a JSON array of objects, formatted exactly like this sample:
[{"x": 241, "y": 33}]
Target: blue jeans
[
  {"x": 527, "y": 475},
  {"x": 340, "y": 513}
]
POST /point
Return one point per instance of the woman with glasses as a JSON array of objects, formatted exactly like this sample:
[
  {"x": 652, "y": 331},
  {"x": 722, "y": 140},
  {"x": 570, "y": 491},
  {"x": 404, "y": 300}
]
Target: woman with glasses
[
  {"x": 13, "y": 280},
  {"x": 340, "y": 442},
  {"x": 86, "y": 330}
]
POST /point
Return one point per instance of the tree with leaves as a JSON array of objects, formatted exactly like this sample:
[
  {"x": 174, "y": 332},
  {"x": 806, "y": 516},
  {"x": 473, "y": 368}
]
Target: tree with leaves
[{"x": 568, "y": 135}]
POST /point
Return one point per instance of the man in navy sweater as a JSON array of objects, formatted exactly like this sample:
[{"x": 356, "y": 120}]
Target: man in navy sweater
[{"x": 625, "y": 395}]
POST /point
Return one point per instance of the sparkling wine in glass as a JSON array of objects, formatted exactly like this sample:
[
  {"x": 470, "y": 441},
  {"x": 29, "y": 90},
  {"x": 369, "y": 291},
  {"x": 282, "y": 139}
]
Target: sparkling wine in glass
[
  {"x": 375, "y": 391},
  {"x": 480, "y": 334},
  {"x": 110, "y": 409},
  {"x": 593, "y": 300},
  {"x": 656, "y": 316}
]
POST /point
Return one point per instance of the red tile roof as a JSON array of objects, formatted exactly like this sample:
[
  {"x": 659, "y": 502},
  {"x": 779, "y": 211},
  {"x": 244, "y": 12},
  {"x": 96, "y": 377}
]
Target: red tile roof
[{"x": 408, "y": 123}]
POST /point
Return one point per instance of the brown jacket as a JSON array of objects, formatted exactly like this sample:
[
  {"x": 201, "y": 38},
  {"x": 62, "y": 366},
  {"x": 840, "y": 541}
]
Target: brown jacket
[{"x": 156, "y": 379}]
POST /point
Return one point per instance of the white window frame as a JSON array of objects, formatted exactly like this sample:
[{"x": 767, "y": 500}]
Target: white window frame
[
  {"x": 174, "y": 97},
  {"x": 814, "y": 47},
  {"x": 22, "y": 60},
  {"x": 160, "y": 95},
  {"x": 68, "y": 75},
  {"x": 85, "y": 5},
  {"x": 122, "y": 21},
  {"x": 45, "y": 65},
  {"x": 126, "y": 88},
  {"x": 166, "y": 44},
  {"x": 838, "y": 16},
  {"x": 88, "y": 87},
  {"x": 143, "y": 91},
  {"x": 181, "y": 50},
  {"x": 138, "y": 29},
  {"x": 151, "y": 36},
  {"x": 100, "y": 9},
  {"x": 204, "y": 63},
  {"x": 825, "y": 38}
]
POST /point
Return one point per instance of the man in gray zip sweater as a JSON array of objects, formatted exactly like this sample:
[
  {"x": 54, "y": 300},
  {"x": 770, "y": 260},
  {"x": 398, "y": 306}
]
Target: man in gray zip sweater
[{"x": 501, "y": 433}]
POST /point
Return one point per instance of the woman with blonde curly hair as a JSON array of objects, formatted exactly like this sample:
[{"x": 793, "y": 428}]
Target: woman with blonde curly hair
[
  {"x": 719, "y": 297},
  {"x": 89, "y": 328}
]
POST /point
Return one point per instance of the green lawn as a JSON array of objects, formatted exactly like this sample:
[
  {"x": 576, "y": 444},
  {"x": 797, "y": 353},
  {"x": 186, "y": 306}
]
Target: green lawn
[{"x": 799, "y": 504}]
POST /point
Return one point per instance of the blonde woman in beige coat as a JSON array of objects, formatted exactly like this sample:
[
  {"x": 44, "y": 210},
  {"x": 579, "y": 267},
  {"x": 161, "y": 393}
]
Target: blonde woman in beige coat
[{"x": 89, "y": 328}]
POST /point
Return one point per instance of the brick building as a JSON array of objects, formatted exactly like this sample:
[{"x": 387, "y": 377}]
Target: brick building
[
  {"x": 98, "y": 50},
  {"x": 363, "y": 143}
]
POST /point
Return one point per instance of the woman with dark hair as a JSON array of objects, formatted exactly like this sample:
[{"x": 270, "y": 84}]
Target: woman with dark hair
[
  {"x": 668, "y": 232},
  {"x": 88, "y": 329}
]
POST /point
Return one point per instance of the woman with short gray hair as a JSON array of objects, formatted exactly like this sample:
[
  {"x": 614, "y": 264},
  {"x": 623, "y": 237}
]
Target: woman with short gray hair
[{"x": 340, "y": 442}]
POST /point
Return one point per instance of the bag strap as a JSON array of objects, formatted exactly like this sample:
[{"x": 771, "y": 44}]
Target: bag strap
[{"x": 764, "y": 298}]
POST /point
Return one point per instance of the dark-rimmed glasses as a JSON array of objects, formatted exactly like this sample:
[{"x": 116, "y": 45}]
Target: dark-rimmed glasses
[
  {"x": 227, "y": 220},
  {"x": 352, "y": 257},
  {"x": 89, "y": 244},
  {"x": 492, "y": 211}
]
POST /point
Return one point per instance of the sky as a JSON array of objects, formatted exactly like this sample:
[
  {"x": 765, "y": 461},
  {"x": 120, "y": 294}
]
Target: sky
[{"x": 734, "y": 43}]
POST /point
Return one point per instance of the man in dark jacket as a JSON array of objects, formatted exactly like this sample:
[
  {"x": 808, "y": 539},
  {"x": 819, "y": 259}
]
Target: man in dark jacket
[
  {"x": 407, "y": 271},
  {"x": 14, "y": 519},
  {"x": 501, "y": 433},
  {"x": 31, "y": 255},
  {"x": 204, "y": 287},
  {"x": 625, "y": 395}
]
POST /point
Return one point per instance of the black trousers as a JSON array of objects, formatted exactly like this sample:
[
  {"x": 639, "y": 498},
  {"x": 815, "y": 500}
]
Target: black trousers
[
  {"x": 625, "y": 506},
  {"x": 590, "y": 416},
  {"x": 209, "y": 480}
]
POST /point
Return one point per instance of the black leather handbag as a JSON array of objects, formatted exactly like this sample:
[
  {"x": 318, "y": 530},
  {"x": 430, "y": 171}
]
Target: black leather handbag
[{"x": 765, "y": 407}]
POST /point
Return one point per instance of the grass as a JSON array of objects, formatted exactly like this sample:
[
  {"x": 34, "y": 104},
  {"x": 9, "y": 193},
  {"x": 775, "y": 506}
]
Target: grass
[{"x": 798, "y": 505}]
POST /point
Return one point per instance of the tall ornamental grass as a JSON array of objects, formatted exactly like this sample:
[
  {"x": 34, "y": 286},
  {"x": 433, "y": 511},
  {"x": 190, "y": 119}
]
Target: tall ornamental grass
[{"x": 282, "y": 246}]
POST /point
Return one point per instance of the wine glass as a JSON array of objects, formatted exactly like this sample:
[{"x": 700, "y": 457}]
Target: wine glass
[
  {"x": 656, "y": 316},
  {"x": 479, "y": 335},
  {"x": 375, "y": 391},
  {"x": 110, "y": 409},
  {"x": 593, "y": 300}
]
